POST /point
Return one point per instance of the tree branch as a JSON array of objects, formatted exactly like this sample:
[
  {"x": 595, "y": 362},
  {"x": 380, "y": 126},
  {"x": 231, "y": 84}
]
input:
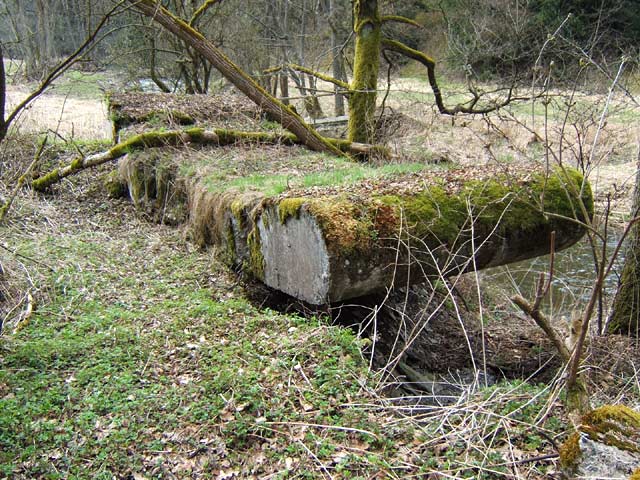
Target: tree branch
[
  {"x": 201, "y": 11},
  {"x": 400, "y": 19},
  {"x": 545, "y": 324},
  {"x": 308, "y": 71},
  {"x": 59, "y": 69},
  {"x": 430, "y": 64},
  {"x": 239, "y": 78},
  {"x": 152, "y": 68},
  {"x": 216, "y": 136},
  {"x": 542, "y": 289}
]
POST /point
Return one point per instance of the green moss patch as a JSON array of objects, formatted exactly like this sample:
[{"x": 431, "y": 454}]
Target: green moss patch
[
  {"x": 347, "y": 227},
  {"x": 615, "y": 425},
  {"x": 491, "y": 205},
  {"x": 570, "y": 452},
  {"x": 256, "y": 259},
  {"x": 289, "y": 207}
]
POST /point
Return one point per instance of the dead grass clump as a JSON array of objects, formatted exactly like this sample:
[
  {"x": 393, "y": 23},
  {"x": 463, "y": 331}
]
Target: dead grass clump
[
  {"x": 221, "y": 218},
  {"x": 17, "y": 151},
  {"x": 613, "y": 371},
  {"x": 72, "y": 118},
  {"x": 16, "y": 292},
  {"x": 222, "y": 110}
]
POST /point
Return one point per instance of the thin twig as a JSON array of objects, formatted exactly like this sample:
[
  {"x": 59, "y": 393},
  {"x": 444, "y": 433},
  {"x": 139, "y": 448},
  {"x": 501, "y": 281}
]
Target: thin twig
[
  {"x": 544, "y": 323},
  {"x": 26, "y": 316},
  {"x": 26, "y": 257},
  {"x": 23, "y": 178}
]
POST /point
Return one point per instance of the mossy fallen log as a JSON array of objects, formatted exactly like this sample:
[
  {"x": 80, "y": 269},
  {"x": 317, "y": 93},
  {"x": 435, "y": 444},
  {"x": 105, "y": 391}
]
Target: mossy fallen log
[
  {"x": 201, "y": 136},
  {"x": 322, "y": 250},
  {"x": 137, "y": 142}
]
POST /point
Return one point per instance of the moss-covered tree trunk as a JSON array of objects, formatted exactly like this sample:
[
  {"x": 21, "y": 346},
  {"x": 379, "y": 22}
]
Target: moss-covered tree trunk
[
  {"x": 240, "y": 79},
  {"x": 625, "y": 316},
  {"x": 367, "y": 26}
]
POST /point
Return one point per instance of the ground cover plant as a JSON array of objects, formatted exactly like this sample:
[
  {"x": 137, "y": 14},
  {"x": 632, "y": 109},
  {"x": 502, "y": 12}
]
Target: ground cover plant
[
  {"x": 127, "y": 352},
  {"x": 144, "y": 359}
]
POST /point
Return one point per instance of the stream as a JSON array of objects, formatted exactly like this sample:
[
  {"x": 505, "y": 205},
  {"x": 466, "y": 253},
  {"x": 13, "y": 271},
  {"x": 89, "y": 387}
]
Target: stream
[{"x": 574, "y": 277}]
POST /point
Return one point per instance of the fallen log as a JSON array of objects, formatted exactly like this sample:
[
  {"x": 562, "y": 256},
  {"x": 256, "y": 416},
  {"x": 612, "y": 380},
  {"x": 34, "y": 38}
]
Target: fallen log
[{"x": 200, "y": 136}]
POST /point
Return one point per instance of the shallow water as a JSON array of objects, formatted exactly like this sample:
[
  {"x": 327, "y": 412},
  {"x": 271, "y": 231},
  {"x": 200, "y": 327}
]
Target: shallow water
[{"x": 574, "y": 277}]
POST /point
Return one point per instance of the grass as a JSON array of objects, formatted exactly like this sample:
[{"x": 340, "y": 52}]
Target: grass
[
  {"x": 121, "y": 365},
  {"x": 336, "y": 172},
  {"x": 145, "y": 359},
  {"x": 73, "y": 107},
  {"x": 81, "y": 84}
]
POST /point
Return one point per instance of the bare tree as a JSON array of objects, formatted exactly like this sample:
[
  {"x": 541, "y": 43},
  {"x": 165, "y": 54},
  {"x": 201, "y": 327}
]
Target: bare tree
[
  {"x": 51, "y": 75},
  {"x": 362, "y": 90}
]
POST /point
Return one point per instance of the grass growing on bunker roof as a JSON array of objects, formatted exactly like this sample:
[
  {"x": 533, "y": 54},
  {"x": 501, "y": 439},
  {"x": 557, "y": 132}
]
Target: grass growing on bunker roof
[{"x": 306, "y": 171}]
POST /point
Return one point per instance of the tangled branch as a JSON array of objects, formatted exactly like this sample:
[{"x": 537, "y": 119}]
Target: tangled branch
[{"x": 430, "y": 64}]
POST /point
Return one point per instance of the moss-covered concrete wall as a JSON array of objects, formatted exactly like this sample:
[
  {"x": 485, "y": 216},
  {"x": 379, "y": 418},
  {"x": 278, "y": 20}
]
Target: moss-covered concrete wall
[
  {"x": 373, "y": 241},
  {"x": 341, "y": 246}
]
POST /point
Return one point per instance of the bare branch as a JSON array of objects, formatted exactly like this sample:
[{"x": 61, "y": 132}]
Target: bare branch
[
  {"x": 62, "y": 67},
  {"x": 239, "y": 78},
  {"x": 201, "y": 11},
  {"x": 400, "y": 19},
  {"x": 545, "y": 324},
  {"x": 308, "y": 71},
  {"x": 430, "y": 64}
]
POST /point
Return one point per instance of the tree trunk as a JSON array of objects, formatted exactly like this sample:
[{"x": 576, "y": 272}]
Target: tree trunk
[
  {"x": 44, "y": 42},
  {"x": 625, "y": 316},
  {"x": 152, "y": 66},
  {"x": 338, "y": 72},
  {"x": 284, "y": 88},
  {"x": 243, "y": 82},
  {"x": 367, "y": 26},
  {"x": 337, "y": 62}
]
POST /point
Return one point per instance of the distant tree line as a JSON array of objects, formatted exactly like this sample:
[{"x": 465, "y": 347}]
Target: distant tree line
[
  {"x": 40, "y": 32},
  {"x": 485, "y": 38},
  {"x": 502, "y": 37}
]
